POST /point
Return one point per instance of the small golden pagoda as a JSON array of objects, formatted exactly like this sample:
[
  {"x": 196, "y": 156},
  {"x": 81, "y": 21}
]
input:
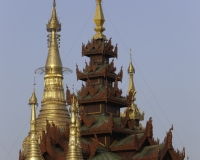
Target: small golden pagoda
[
  {"x": 33, "y": 151},
  {"x": 53, "y": 106}
]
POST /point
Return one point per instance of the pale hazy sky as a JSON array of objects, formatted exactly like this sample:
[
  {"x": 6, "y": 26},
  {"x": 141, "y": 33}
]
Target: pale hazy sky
[{"x": 164, "y": 36}]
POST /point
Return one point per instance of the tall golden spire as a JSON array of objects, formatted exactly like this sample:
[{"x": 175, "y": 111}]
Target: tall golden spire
[
  {"x": 131, "y": 71},
  {"x": 53, "y": 101},
  {"x": 53, "y": 63},
  {"x": 99, "y": 21},
  {"x": 134, "y": 111},
  {"x": 33, "y": 151},
  {"x": 73, "y": 152}
]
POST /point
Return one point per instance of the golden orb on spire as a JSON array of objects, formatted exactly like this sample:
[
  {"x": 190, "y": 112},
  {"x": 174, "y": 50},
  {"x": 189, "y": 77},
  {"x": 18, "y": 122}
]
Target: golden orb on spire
[
  {"x": 131, "y": 69},
  {"x": 33, "y": 99}
]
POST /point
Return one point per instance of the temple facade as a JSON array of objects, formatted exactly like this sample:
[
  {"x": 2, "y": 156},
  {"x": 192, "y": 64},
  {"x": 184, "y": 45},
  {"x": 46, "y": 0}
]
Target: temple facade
[{"x": 95, "y": 128}]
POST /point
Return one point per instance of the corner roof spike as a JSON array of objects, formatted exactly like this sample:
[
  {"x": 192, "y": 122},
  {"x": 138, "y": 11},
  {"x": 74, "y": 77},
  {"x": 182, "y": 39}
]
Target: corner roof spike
[
  {"x": 99, "y": 21},
  {"x": 54, "y": 23}
]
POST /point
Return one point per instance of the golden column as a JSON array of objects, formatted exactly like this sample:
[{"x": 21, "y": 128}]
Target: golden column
[
  {"x": 53, "y": 106},
  {"x": 33, "y": 151},
  {"x": 73, "y": 151},
  {"x": 99, "y": 21}
]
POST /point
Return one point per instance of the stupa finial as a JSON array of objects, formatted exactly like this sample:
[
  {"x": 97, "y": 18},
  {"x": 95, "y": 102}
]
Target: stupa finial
[
  {"x": 53, "y": 63},
  {"x": 54, "y": 3},
  {"x": 99, "y": 21},
  {"x": 54, "y": 23}
]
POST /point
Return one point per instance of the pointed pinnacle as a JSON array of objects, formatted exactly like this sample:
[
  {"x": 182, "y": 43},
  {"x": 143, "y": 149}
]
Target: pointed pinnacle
[
  {"x": 54, "y": 23},
  {"x": 99, "y": 21},
  {"x": 33, "y": 99},
  {"x": 54, "y": 3}
]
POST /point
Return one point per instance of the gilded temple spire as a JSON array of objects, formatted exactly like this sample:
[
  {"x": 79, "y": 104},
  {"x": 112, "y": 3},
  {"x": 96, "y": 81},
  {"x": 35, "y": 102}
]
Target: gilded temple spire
[
  {"x": 54, "y": 23},
  {"x": 99, "y": 21},
  {"x": 134, "y": 111},
  {"x": 33, "y": 151},
  {"x": 131, "y": 71},
  {"x": 53, "y": 106},
  {"x": 53, "y": 63}
]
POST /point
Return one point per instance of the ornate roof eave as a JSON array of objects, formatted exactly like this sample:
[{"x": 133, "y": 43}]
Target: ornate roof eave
[
  {"x": 137, "y": 143},
  {"x": 98, "y": 96},
  {"x": 105, "y": 70},
  {"x": 153, "y": 156},
  {"x": 84, "y": 77},
  {"x": 100, "y": 47},
  {"x": 105, "y": 128},
  {"x": 116, "y": 130},
  {"x": 108, "y": 53},
  {"x": 47, "y": 140},
  {"x": 114, "y": 100},
  {"x": 132, "y": 145},
  {"x": 169, "y": 147},
  {"x": 121, "y": 102}
]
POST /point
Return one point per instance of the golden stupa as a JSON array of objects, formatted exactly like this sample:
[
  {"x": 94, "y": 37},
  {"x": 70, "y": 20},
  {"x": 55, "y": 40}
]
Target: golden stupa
[{"x": 53, "y": 106}]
